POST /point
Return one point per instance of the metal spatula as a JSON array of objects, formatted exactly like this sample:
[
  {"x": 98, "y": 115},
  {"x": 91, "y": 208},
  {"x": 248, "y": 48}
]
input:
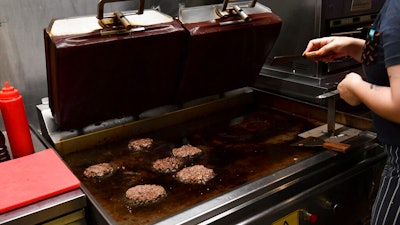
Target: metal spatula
[
  {"x": 319, "y": 142},
  {"x": 277, "y": 60}
]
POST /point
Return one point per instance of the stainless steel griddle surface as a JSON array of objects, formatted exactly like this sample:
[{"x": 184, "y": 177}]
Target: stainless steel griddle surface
[{"x": 239, "y": 148}]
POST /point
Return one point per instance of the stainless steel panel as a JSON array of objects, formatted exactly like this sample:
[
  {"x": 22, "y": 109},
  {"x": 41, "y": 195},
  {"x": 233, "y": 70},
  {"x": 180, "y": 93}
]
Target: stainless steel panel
[
  {"x": 301, "y": 23},
  {"x": 306, "y": 20},
  {"x": 345, "y": 198},
  {"x": 46, "y": 209}
]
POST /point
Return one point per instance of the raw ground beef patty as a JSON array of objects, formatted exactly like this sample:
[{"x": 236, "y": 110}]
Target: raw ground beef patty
[
  {"x": 99, "y": 170},
  {"x": 186, "y": 151},
  {"x": 140, "y": 144},
  {"x": 145, "y": 193},
  {"x": 197, "y": 174},
  {"x": 167, "y": 165}
]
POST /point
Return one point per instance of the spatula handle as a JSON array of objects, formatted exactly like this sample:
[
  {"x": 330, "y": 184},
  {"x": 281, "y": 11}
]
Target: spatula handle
[
  {"x": 311, "y": 55},
  {"x": 339, "y": 147}
]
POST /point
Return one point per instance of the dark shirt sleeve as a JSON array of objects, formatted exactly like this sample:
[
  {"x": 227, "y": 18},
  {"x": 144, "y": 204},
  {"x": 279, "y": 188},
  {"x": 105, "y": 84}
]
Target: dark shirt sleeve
[{"x": 390, "y": 29}]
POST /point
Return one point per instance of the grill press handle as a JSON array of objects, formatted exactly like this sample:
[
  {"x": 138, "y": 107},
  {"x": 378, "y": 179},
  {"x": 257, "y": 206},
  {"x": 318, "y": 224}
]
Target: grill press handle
[
  {"x": 237, "y": 9},
  {"x": 100, "y": 7},
  {"x": 225, "y": 4}
]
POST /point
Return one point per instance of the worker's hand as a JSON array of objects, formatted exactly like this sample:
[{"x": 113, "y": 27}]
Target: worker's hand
[
  {"x": 330, "y": 48},
  {"x": 347, "y": 88}
]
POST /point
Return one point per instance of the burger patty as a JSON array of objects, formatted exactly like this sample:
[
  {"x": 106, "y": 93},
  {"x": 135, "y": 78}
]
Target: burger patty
[
  {"x": 167, "y": 165},
  {"x": 99, "y": 170},
  {"x": 197, "y": 174},
  {"x": 146, "y": 193},
  {"x": 186, "y": 151},
  {"x": 140, "y": 144}
]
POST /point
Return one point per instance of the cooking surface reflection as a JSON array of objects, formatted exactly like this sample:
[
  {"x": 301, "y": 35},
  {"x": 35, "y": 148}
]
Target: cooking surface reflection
[{"x": 239, "y": 149}]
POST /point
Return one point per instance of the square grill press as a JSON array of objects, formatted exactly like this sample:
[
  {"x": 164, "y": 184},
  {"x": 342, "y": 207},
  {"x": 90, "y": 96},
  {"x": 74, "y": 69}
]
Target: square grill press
[
  {"x": 112, "y": 65},
  {"x": 120, "y": 64}
]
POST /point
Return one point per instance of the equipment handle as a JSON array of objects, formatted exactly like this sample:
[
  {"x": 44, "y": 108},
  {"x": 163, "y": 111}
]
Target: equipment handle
[
  {"x": 100, "y": 7},
  {"x": 339, "y": 147},
  {"x": 225, "y": 4}
]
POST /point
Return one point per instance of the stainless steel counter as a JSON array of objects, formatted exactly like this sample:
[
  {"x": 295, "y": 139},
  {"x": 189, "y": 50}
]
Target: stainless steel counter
[{"x": 48, "y": 210}]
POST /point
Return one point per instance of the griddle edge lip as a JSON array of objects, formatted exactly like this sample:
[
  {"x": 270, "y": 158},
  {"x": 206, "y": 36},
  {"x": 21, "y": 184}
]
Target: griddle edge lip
[
  {"x": 263, "y": 188},
  {"x": 324, "y": 186},
  {"x": 221, "y": 205}
]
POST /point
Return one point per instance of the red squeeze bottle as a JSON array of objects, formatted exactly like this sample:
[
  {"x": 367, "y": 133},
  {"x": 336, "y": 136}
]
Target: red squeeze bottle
[{"x": 15, "y": 121}]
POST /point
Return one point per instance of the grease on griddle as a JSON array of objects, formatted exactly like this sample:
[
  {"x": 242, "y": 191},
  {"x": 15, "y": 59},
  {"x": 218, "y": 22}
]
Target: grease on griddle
[{"x": 235, "y": 160}]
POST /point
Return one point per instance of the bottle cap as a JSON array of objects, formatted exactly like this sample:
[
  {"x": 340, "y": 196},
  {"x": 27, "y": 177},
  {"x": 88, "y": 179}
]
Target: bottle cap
[{"x": 8, "y": 92}]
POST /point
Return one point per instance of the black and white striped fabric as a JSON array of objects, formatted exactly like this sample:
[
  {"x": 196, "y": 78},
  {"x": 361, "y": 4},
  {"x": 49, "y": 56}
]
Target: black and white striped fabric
[{"x": 386, "y": 209}]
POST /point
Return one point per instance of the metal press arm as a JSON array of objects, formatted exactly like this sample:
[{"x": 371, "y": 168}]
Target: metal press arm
[{"x": 331, "y": 118}]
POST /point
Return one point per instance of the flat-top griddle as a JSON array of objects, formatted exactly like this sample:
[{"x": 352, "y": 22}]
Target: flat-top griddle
[{"x": 239, "y": 148}]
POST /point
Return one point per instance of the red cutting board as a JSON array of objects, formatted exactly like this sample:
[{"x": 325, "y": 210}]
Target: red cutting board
[{"x": 33, "y": 178}]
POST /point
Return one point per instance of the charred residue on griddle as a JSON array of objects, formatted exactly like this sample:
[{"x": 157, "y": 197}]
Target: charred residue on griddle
[{"x": 238, "y": 149}]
